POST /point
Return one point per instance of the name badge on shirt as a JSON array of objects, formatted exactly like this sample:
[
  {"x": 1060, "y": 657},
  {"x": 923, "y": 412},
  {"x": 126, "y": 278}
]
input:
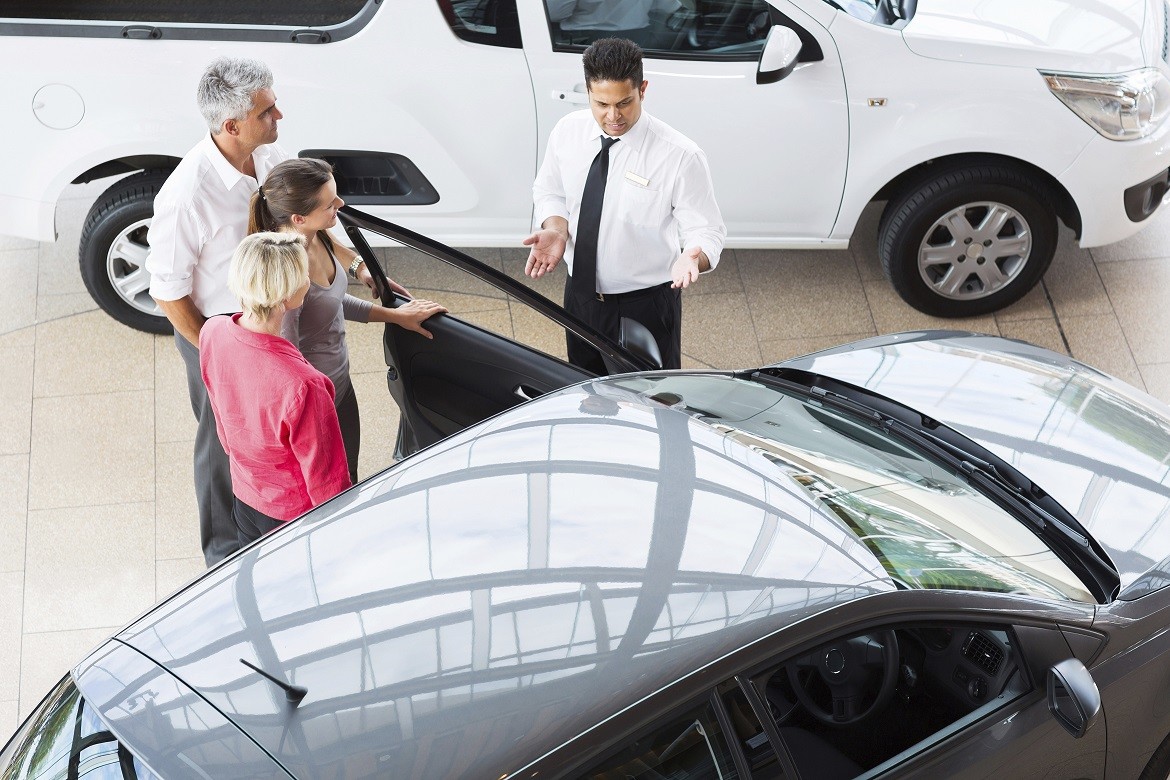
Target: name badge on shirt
[{"x": 636, "y": 179}]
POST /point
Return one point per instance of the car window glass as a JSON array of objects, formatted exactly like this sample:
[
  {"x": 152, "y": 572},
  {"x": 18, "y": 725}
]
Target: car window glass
[
  {"x": 64, "y": 738},
  {"x": 689, "y": 29},
  {"x": 493, "y": 22},
  {"x": 871, "y": 701},
  {"x": 687, "y": 746},
  {"x": 475, "y": 301},
  {"x": 307, "y": 13}
]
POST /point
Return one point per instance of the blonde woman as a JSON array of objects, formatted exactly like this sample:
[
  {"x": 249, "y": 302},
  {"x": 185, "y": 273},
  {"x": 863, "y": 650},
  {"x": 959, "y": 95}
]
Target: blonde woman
[
  {"x": 300, "y": 196},
  {"x": 274, "y": 412}
]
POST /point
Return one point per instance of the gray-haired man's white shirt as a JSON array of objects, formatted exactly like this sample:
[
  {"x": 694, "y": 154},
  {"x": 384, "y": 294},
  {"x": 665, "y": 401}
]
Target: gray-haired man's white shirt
[{"x": 200, "y": 217}]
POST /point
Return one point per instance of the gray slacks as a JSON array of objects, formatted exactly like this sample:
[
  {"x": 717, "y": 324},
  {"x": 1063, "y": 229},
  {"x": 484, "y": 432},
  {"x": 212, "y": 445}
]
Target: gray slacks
[{"x": 213, "y": 479}]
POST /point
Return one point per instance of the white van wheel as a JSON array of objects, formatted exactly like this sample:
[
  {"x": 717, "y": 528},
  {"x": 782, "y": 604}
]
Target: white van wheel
[
  {"x": 969, "y": 241},
  {"x": 113, "y": 251}
]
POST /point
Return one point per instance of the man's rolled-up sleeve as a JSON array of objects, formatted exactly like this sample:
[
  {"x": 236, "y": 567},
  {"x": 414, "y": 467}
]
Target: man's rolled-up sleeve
[
  {"x": 548, "y": 189},
  {"x": 695, "y": 209},
  {"x": 176, "y": 239}
]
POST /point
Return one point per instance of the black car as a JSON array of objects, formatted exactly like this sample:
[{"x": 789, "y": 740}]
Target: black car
[{"x": 921, "y": 555}]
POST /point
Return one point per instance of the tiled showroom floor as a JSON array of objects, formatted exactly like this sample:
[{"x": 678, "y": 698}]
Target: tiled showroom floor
[{"x": 97, "y": 512}]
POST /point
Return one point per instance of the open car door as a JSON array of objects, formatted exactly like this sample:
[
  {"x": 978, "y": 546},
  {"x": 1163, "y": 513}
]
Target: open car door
[{"x": 503, "y": 343}]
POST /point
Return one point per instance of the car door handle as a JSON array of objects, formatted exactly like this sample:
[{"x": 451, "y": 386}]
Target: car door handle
[
  {"x": 571, "y": 96},
  {"x": 525, "y": 393}
]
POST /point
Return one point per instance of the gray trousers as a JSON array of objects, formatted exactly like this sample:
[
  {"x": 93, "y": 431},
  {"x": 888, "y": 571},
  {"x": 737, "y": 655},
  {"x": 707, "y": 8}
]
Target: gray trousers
[{"x": 213, "y": 479}]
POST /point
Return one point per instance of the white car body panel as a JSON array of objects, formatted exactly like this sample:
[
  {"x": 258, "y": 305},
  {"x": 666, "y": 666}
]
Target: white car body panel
[
  {"x": 1048, "y": 34},
  {"x": 794, "y": 162}
]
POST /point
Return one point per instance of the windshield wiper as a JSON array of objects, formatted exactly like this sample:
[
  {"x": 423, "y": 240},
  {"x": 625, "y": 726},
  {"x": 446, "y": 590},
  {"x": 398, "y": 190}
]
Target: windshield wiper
[{"x": 974, "y": 467}]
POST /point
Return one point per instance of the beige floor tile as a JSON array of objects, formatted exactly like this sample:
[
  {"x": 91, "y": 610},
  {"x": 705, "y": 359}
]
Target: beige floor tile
[
  {"x": 365, "y": 347},
  {"x": 864, "y": 242},
  {"x": 461, "y": 303},
  {"x": 55, "y": 307},
  {"x": 1033, "y": 306},
  {"x": 57, "y": 263},
  {"x": 498, "y": 321},
  {"x": 91, "y": 353},
  {"x": 1140, "y": 293},
  {"x": 9, "y": 718},
  {"x": 24, "y": 337},
  {"x": 18, "y": 293},
  {"x": 416, "y": 271},
  {"x": 16, "y": 385},
  {"x": 48, "y": 657},
  {"x": 1152, "y": 241},
  {"x": 11, "y": 628},
  {"x": 718, "y": 331},
  {"x": 794, "y": 269},
  {"x": 776, "y": 350},
  {"x": 173, "y": 418},
  {"x": 1042, "y": 333},
  {"x": 89, "y": 568},
  {"x": 12, "y": 243},
  {"x": 92, "y": 449},
  {"x": 1157, "y": 379},
  {"x": 533, "y": 329},
  {"x": 808, "y": 310},
  {"x": 1100, "y": 342},
  {"x": 379, "y": 423},
  {"x": 892, "y": 315},
  {"x": 1074, "y": 285},
  {"x": 176, "y": 514},
  {"x": 551, "y": 286},
  {"x": 13, "y": 511},
  {"x": 172, "y": 574},
  {"x": 724, "y": 279}
]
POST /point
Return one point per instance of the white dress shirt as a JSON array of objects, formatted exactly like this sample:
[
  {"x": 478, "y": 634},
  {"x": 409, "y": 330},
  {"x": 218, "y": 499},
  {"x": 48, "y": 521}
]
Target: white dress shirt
[
  {"x": 200, "y": 217},
  {"x": 658, "y": 186}
]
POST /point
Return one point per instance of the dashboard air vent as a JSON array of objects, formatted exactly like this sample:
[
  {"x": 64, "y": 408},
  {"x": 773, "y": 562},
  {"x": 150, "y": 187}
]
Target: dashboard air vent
[{"x": 983, "y": 652}]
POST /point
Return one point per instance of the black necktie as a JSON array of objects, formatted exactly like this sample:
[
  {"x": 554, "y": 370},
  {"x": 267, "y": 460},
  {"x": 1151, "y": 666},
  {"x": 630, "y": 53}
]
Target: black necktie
[{"x": 585, "y": 252}]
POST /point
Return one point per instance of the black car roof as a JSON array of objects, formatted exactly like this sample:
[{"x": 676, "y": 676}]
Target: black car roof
[{"x": 524, "y": 579}]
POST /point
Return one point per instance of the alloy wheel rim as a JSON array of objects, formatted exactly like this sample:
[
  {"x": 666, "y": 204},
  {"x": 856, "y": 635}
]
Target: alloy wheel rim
[
  {"x": 126, "y": 268},
  {"x": 974, "y": 250}
]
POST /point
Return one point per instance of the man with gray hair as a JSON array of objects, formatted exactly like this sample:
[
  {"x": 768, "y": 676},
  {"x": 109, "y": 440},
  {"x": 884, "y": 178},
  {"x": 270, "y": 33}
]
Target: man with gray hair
[{"x": 200, "y": 216}]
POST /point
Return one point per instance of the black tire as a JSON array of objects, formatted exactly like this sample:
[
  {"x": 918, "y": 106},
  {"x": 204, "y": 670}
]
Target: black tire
[
  {"x": 122, "y": 214},
  {"x": 988, "y": 269}
]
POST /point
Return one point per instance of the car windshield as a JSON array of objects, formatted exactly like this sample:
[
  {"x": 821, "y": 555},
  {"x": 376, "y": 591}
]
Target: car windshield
[
  {"x": 921, "y": 519},
  {"x": 65, "y": 738}
]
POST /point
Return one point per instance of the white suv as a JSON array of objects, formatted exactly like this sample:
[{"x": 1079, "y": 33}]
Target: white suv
[{"x": 979, "y": 122}]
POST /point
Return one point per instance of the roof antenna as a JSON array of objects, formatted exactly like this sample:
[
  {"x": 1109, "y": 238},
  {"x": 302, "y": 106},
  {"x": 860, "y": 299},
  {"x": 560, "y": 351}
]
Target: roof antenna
[{"x": 294, "y": 693}]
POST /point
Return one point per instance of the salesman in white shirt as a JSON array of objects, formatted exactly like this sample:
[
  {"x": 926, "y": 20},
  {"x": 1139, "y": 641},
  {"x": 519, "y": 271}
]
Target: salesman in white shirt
[
  {"x": 616, "y": 192},
  {"x": 200, "y": 215}
]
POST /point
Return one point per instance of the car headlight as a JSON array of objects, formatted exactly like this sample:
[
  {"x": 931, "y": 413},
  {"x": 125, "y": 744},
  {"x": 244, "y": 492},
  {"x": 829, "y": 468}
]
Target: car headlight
[{"x": 1123, "y": 107}]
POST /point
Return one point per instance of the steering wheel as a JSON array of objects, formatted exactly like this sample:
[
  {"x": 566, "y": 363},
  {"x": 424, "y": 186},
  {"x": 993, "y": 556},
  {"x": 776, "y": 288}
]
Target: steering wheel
[{"x": 848, "y": 667}]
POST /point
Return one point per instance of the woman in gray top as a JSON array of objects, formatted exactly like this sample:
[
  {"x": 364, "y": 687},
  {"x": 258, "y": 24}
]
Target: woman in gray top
[{"x": 300, "y": 196}]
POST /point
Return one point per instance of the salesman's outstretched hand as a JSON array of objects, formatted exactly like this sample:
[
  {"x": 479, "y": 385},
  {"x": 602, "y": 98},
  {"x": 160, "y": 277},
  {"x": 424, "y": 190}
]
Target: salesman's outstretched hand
[
  {"x": 686, "y": 268},
  {"x": 547, "y": 249}
]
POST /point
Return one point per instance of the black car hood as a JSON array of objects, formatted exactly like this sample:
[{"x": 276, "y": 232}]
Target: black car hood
[{"x": 1099, "y": 446}]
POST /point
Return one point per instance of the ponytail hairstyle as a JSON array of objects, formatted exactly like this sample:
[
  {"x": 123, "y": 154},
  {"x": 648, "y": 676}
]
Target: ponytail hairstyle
[{"x": 290, "y": 188}]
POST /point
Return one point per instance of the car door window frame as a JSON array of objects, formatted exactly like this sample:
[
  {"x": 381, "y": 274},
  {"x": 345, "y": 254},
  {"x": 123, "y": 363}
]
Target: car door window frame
[{"x": 614, "y": 355}]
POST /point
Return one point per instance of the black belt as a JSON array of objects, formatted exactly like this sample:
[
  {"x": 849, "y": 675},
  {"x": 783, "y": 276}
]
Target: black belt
[{"x": 631, "y": 294}]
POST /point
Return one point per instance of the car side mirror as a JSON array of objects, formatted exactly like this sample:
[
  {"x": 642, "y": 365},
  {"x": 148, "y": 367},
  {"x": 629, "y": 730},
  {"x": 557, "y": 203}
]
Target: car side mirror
[
  {"x": 1073, "y": 697},
  {"x": 639, "y": 342},
  {"x": 779, "y": 56}
]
